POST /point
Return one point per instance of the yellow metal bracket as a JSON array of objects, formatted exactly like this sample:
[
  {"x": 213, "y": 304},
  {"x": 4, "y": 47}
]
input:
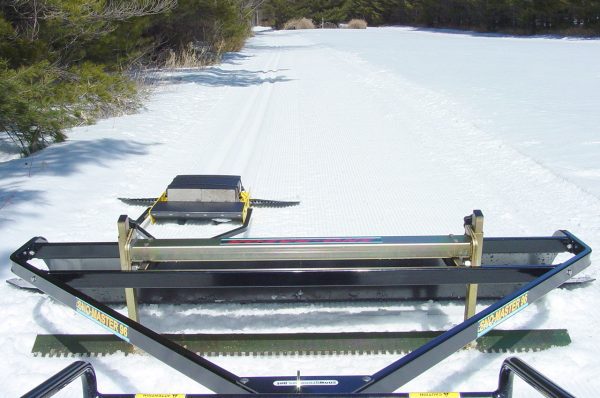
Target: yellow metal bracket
[
  {"x": 245, "y": 199},
  {"x": 161, "y": 198},
  {"x": 125, "y": 237},
  {"x": 474, "y": 229}
]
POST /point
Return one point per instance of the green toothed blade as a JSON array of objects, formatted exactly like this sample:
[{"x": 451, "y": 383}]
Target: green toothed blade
[{"x": 300, "y": 343}]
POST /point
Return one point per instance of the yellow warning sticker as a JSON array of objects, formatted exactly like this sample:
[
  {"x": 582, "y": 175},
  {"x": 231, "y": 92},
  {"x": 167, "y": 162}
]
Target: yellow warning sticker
[
  {"x": 159, "y": 395},
  {"x": 434, "y": 395}
]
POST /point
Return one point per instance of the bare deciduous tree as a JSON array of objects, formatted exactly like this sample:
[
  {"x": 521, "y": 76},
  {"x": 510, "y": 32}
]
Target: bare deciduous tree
[{"x": 122, "y": 10}]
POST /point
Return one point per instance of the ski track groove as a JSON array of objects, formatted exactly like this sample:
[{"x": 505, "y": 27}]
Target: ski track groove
[{"x": 243, "y": 157}]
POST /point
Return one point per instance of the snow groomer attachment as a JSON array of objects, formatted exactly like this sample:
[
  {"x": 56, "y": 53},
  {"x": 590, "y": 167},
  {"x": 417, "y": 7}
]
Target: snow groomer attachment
[
  {"x": 202, "y": 197},
  {"x": 220, "y": 198},
  {"x": 515, "y": 272}
]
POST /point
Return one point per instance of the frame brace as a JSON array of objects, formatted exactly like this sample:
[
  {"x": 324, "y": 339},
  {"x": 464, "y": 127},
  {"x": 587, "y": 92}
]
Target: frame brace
[{"x": 474, "y": 229}]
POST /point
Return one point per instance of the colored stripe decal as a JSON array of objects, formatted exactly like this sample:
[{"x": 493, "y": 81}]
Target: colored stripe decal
[
  {"x": 101, "y": 318},
  {"x": 299, "y": 241},
  {"x": 502, "y": 314}
]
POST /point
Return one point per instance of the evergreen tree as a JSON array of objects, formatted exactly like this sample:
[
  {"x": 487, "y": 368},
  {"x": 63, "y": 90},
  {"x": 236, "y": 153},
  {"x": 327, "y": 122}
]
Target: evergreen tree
[
  {"x": 513, "y": 16},
  {"x": 53, "y": 73}
]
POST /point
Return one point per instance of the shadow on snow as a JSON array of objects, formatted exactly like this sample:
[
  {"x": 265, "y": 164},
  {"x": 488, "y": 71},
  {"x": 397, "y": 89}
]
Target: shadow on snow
[
  {"x": 63, "y": 159},
  {"x": 217, "y": 77}
]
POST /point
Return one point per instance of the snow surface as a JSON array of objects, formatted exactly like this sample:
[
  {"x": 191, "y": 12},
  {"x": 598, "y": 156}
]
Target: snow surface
[{"x": 390, "y": 131}]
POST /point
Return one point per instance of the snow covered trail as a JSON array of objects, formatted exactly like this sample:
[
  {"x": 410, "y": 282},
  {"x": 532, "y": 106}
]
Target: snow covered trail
[
  {"x": 540, "y": 94},
  {"x": 367, "y": 148}
]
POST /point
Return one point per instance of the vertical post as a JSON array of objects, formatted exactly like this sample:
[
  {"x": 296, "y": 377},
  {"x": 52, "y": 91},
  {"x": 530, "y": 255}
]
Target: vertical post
[
  {"x": 474, "y": 228},
  {"x": 125, "y": 233}
]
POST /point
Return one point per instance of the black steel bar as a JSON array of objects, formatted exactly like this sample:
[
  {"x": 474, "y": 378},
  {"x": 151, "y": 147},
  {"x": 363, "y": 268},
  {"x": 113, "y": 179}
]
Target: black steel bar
[
  {"x": 188, "y": 363},
  {"x": 237, "y": 230},
  {"x": 514, "y": 366},
  {"x": 78, "y": 250},
  {"x": 142, "y": 217},
  {"x": 544, "y": 244},
  {"x": 54, "y": 384},
  {"x": 408, "y": 367},
  {"x": 510, "y": 367},
  {"x": 263, "y": 278},
  {"x": 139, "y": 229}
]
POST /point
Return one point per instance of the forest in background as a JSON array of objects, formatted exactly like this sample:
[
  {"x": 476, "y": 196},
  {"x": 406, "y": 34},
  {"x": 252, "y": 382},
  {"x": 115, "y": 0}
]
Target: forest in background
[
  {"x": 567, "y": 17},
  {"x": 65, "y": 63}
]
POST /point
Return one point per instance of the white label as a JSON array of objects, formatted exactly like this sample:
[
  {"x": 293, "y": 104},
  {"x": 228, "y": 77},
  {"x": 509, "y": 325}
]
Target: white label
[{"x": 294, "y": 383}]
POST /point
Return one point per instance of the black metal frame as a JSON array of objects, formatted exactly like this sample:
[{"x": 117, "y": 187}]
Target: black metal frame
[
  {"x": 388, "y": 379},
  {"x": 510, "y": 367},
  {"x": 256, "y": 274}
]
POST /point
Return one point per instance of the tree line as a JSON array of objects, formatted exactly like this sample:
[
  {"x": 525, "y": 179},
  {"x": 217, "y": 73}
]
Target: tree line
[
  {"x": 569, "y": 17},
  {"x": 65, "y": 63}
]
